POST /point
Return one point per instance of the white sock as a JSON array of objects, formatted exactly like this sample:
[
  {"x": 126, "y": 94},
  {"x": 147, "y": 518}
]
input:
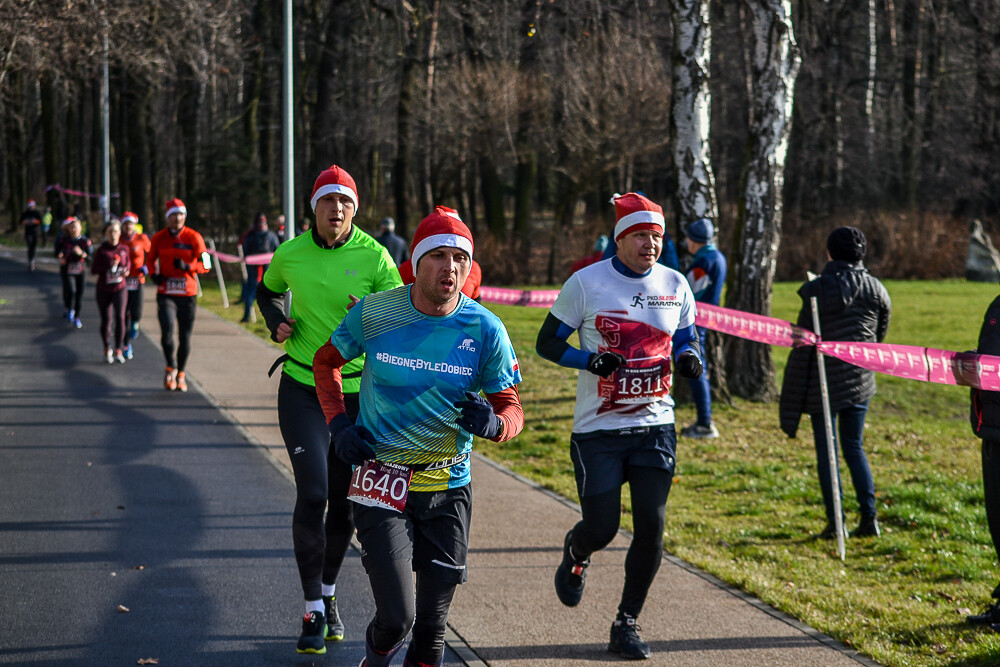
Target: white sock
[
  {"x": 329, "y": 590},
  {"x": 315, "y": 605}
]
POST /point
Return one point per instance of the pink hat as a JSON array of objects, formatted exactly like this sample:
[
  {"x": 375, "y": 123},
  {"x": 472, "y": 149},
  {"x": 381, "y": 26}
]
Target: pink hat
[
  {"x": 129, "y": 216},
  {"x": 337, "y": 180},
  {"x": 442, "y": 228},
  {"x": 634, "y": 213},
  {"x": 175, "y": 206}
]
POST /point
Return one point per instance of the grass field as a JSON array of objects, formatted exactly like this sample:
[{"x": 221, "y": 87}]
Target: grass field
[{"x": 744, "y": 507}]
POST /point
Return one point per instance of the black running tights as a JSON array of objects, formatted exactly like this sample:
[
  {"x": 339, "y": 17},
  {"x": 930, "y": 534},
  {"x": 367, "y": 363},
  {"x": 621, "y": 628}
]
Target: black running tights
[
  {"x": 180, "y": 309},
  {"x": 72, "y": 284},
  {"x": 601, "y": 517},
  {"x": 321, "y": 479},
  {"x": 396, "y": 610}
]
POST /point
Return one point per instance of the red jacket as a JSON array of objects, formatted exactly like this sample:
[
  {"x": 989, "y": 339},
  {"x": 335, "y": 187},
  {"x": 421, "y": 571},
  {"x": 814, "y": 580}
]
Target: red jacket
[
  {"x": 138, "y": 246},
  {"x": 187, "y": 246}
]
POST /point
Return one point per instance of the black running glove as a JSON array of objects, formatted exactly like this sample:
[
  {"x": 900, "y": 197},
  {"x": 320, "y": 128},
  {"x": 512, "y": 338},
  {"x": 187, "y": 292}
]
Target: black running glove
[
  {"x": 605, "y": 363},
  {"x": 353, "y": 444},
  {"x": 689, "y": 365},
  {"x": 158, "y": 279},
  {"x": 478, "y": 417},
  {"x": 181, "y": 264}
]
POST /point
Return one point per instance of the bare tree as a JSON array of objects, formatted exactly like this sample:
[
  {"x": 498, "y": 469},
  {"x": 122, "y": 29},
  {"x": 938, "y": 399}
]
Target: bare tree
[{"x": 774, "y": 66}]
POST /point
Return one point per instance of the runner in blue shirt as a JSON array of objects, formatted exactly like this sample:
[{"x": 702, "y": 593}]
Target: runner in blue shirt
[{"x": 428, "y": 350}]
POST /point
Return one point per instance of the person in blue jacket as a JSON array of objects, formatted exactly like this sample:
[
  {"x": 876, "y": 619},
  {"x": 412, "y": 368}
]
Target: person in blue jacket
[{"x": 706, "y": 275}]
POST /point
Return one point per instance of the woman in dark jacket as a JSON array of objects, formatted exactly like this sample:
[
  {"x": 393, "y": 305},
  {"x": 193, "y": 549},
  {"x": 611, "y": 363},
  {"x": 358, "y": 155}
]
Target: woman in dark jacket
[
  {"x": 985, "y": 416},
  {"x": 853, "y": 306}
]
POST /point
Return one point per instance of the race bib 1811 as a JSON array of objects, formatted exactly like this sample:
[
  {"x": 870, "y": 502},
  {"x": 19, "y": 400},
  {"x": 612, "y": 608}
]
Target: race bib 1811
[{"x": 380, "y": 484}]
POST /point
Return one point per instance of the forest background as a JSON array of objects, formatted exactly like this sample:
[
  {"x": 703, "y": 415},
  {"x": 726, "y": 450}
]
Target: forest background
[{"x": 526, "y": 116}]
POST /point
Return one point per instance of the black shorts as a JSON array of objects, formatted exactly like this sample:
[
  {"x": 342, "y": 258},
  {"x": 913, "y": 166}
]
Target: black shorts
[
  {"x": 432, "y": 531},
  {"x": 600, "y": 457}
]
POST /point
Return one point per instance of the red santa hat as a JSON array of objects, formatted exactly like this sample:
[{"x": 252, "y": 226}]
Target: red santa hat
[
  {"x": 129, "y": 216},
  {"x": 634, "y": 213},
  {"x": 175, "y": 206},
  {"x": 337, "y": 180},
  {"x": 442, "y": 228}
]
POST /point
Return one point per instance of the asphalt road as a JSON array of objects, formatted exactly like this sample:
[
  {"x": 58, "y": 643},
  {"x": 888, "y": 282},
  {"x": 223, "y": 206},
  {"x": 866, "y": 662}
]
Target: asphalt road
[{"x": 135, "y": 522}]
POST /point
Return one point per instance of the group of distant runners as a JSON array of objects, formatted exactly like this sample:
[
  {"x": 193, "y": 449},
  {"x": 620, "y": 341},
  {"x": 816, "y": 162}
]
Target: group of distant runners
[
  {"x": 391, "y": 368},
  {"x": 122, "y": 263}
]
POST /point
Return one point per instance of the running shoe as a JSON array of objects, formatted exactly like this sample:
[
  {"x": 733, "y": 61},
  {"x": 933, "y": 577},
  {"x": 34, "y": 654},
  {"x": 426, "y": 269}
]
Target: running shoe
[
  {"x": 109, "y": 356},
  {"x": 31, "y": 265},
  {"x": 334, "y": 626},
  {"x": 128, "y": 351},
  {"x": 571, "y": 575},
  {"x": 77, "y": 324},
  {"x": 133, "y": 331},
  {"x": 170, "y": 379},
  {"x": 70, "y": 314},
  {"x": 119, "y": 357},
  {"x": 182, "y": 384},
  {"x": 697, "y": 430},
  {"x": 625, "y": 640},
  {"x": 311, "y": 639}
]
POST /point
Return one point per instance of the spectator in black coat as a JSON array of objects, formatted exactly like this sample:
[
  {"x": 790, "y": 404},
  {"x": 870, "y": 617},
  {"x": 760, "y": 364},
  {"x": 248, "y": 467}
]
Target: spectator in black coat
[
  {"x": 985, "y": 416},
  {"x": 853, "y": 306}
]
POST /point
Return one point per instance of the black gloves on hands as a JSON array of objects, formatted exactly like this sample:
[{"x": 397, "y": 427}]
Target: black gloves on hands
[
  {"x": 689, "y": 365},
  {"x": 478, "y": 417},
  {"x": 353, "y": 444},
  {"x": 605, "y": 363},
  {"x": 158, "y": 279},
  {"x": 181, "y": 264}
]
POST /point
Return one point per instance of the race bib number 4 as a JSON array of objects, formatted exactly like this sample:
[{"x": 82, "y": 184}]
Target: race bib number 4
[
  {"x": 132, "y": 283},
  {"x": 176, "y": 286},
  {"x": 379, "y": 484}
]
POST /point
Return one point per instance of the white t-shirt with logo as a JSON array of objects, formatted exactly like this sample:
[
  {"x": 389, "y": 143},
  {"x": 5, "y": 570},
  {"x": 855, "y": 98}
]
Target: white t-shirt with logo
[{"x": 637, "y": 318}]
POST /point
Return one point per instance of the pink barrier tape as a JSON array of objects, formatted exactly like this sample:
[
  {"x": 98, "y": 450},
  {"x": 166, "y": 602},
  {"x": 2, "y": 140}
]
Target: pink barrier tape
[
  {"x": 517, "y": 297},
  {"x": 966, "y": 369},
  {"x": 252, "y": 260},
  {"x": 75, "y": 193},
  {"x": 981, "y": 371},
  {"x": 758, "y": 328}
]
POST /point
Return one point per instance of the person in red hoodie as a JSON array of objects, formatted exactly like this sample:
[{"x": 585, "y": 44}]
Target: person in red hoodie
[
  {"x": 138, "y": 244},
  {"x": 111, "y": 264},
  {"x": 179, "y": 255}
]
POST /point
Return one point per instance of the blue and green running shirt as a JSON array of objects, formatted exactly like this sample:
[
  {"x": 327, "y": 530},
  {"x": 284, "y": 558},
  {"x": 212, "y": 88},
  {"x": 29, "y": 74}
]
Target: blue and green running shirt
[
  {"x": 320, "y": 280},
  {"x": 416, "y": 368}
]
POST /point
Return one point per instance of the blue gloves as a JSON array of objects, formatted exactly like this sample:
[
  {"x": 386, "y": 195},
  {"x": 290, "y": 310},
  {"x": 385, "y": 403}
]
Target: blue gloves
[
  {"x": 144, "y": 270},
  {"x": 478, "y": 417},
  {"x": 689, "y": 365},
  {"x": 353, "y": 444},
  {"x": 605, "y": 363}
]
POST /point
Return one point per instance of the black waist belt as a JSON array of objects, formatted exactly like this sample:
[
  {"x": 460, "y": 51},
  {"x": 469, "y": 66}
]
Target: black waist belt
[
  {"x": 439, "y": 465},
  {"x": 287, "y": 357}
]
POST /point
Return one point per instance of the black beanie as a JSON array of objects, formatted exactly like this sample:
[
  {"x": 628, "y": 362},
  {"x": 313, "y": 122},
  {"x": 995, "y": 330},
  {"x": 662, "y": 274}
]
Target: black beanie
[{"x": 847, "y": 244}]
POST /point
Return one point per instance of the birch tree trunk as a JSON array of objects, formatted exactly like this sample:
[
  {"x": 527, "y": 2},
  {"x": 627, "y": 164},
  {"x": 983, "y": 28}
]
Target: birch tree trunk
[
  {"x": 774, "y": 66},
  {"x": 691, "y": 100}
]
